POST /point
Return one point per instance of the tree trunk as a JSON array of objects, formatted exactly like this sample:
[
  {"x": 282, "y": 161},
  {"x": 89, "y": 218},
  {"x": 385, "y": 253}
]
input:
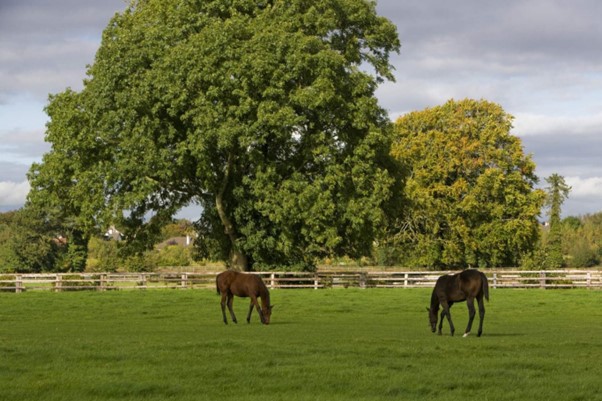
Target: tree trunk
[{"x": 238, "y": 260}]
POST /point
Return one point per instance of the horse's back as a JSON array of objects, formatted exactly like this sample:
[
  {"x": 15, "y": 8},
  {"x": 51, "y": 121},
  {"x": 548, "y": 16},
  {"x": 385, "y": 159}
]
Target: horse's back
[
  {"x": 225, "y": 279},
  {"x": 240, "y": 284},
  {"x": 470, "y": 276},
  {"x": 447, "y": 288},
  {"x": 457, "y": 287},
  {"x": 472, "y": 282}
]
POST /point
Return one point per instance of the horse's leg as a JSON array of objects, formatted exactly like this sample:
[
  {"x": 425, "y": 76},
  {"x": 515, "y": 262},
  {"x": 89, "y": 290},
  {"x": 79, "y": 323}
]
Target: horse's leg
[
  {"x": 230, "y": 302},
  {"x": 471, "y": 313},
  {"x": 446, "y": 312},
  {"x": 441, "y": 321},
  {"x": 250, "y": 311},
  {"x": 259, "y": 311},
  {"x": 223, "y": 304},
  {"x": 481, "y": 315}
]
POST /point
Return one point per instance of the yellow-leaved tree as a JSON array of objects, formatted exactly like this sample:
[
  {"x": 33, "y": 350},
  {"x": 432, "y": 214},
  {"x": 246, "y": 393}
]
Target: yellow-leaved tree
[{"x": 470, "y": 188}]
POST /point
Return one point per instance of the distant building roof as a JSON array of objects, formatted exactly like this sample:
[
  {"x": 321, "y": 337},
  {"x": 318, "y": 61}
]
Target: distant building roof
[
  {"x": 113, "y": 233},
  {"x": 181, "y": 241}
]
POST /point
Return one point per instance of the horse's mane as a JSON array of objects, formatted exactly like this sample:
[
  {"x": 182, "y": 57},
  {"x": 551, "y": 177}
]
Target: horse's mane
[
  {"x": 264, "y": 293},
  {"x": 434, "y": 300}
]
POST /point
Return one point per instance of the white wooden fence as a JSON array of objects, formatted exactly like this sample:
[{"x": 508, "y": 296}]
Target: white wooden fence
[{"x": 499, "y": 278}]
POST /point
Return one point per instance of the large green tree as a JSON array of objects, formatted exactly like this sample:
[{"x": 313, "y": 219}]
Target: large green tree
[
  {"x": 470, "y": 187},
  {"x": 261, "y": 112}
]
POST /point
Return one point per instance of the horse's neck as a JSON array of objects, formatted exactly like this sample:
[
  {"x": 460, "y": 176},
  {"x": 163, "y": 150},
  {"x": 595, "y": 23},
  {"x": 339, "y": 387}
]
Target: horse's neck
[
  {"x": 434, "y": 301},
  {"x": 264, "y": 294}
]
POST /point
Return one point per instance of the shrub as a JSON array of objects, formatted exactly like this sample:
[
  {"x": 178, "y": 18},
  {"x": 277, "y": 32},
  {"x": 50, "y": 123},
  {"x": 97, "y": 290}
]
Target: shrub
[
  {"x": 581, "y": 254},
  {"x": 173, "y": 255}
]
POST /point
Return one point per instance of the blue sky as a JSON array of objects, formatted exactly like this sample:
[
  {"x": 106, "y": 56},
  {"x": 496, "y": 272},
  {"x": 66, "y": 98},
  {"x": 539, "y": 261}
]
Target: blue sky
[{"x": 539, "y": 59}]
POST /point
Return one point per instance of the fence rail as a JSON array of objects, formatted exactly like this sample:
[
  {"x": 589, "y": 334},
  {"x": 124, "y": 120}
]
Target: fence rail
[{"x": 282, "y": 280}]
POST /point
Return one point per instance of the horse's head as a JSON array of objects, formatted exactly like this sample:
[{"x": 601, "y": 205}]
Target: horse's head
[
  {"x": 432, "y": 318},
  {"x": 266, "y": 314}
]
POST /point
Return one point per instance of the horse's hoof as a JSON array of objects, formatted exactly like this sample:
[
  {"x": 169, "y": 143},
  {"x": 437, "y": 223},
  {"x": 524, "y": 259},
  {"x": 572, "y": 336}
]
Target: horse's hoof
[{"x": 466, "y": 334}]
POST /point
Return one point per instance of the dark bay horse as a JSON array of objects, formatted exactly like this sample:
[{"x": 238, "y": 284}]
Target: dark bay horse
[
  {"x": 464, "y": 286},
  {"x": 231, "y": 283}
]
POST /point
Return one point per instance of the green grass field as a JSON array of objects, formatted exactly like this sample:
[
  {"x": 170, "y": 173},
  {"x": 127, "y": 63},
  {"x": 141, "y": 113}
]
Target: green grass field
[{"x": 322, "y": 345}]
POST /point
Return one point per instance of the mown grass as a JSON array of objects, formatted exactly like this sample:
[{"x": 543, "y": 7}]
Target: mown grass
[{"x": 322, "y": 345}]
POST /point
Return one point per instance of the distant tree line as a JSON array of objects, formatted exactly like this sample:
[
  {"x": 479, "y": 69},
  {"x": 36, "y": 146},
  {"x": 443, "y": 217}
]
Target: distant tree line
[
  {"x": 26, "y": 250},
  {"x": 28, "y": 247}
]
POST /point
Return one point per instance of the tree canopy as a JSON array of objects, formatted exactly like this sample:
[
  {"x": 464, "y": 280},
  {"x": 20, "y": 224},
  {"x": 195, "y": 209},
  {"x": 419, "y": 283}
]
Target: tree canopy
[
  {"x": 470, "y": 187},
  {"x": 263, "y": 113}
]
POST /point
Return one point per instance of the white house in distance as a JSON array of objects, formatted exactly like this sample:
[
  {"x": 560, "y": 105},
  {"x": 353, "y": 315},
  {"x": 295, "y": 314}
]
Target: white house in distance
[{"x": 113, "y": 234}]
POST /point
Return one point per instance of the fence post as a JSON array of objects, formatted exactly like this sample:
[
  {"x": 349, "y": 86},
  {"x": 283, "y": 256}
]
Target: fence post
[
  {"x": 184, "y": 280},
  {"x": 143, "y": 281},
  {"x": 363, "y": 278},
  {"x": 103, "y": 282},
  {"x": 588, "y": 279},
  {"x": 316, "y": 281},
  {"x": 405, "y": 280},
  {"x": 18, "y": 283},
  {"x": 542, "y": 279},
  {"x": 272, "y": 280},
  {"x": 58, "y": 283},
  {"x": 494, "y": 280}
]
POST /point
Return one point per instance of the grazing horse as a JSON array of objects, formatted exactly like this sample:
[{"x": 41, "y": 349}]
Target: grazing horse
[
  {"x": 231, "y": 283},
  {"x": 464, "y": 286}
]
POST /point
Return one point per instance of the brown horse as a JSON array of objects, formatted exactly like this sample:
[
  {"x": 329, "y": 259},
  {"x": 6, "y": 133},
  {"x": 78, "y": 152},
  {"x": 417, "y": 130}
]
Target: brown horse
[
  {"x": 231, "y": 283},
  {"x": 464, "y": 286}
]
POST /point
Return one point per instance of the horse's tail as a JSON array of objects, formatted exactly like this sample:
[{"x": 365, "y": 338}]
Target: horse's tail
[
  {"x": 217, "y": 284},
  {"x": 485, "y": 285}
]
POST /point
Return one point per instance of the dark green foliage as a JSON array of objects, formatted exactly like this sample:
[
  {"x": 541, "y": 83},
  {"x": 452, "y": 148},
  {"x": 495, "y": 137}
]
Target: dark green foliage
[
  {"x": 179, "y": 228},
  {"x": 173, "y": 255},
  {"x": 582, "y": 240},
  {"x": 31, "y": 245},
  {"x": 8, "y": 258},
  {"x": 582, "y": 254},
  {"x": 38, "y": 240},
  {"x": 105, "y": 255},
  {"x": 139, "y": 263},
  {"x": 261, "y": 113},
  {"x": 75, "y": 256}
]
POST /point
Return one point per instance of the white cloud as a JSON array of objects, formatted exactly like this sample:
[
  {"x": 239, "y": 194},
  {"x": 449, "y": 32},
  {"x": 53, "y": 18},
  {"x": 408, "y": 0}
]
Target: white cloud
[
  {"x": 585, "y": 187},
  {"x": 13, "y": 193},
  {"x": 538, "y": 124}
]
